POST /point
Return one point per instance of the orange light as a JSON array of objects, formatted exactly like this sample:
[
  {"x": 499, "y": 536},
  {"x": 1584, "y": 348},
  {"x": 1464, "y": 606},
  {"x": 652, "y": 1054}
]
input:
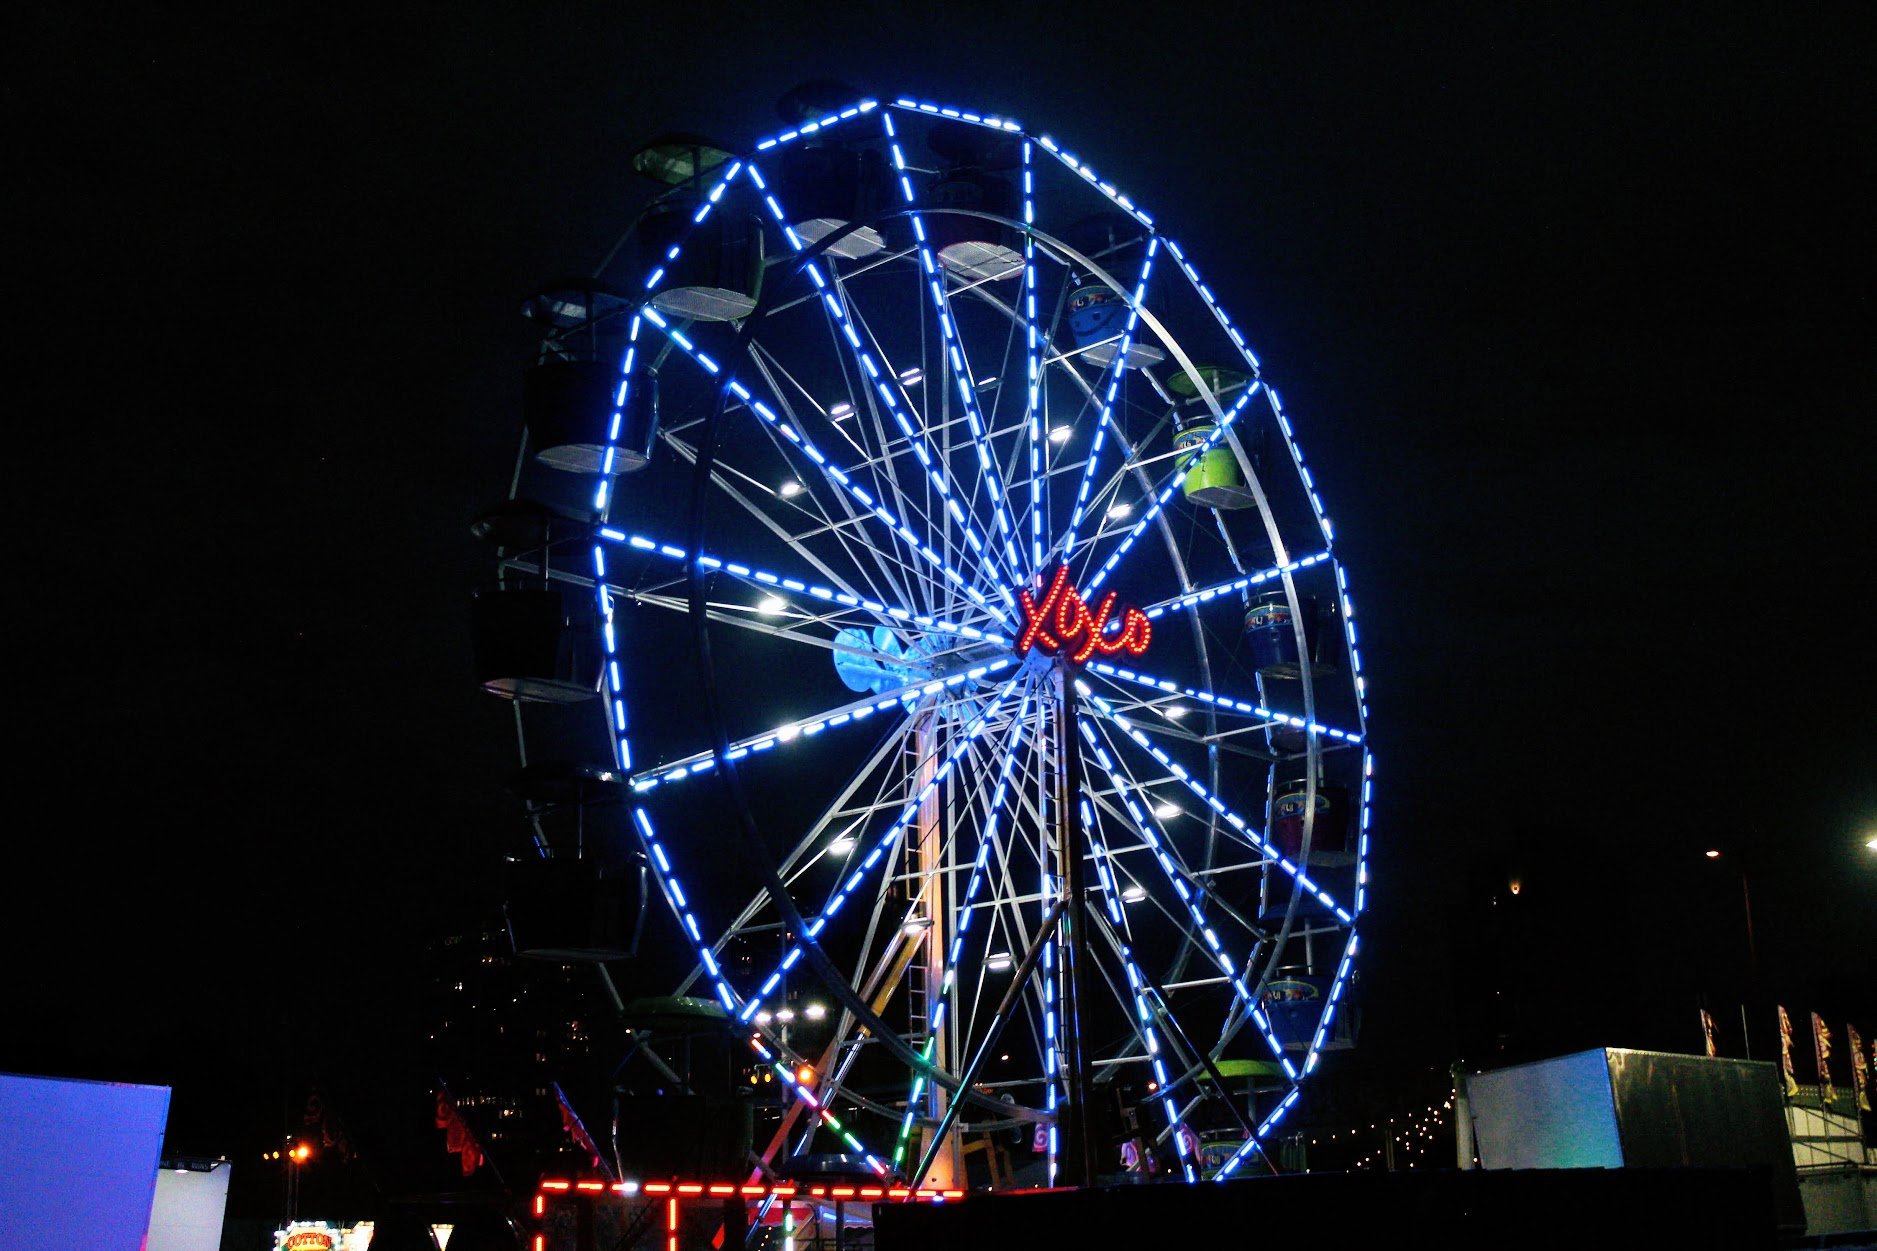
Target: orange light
[
  {"x": 723, "y": 1190},
  {"x": 690, "y": 1188},
  {"x": 302, "y": 1153},
  {"x": 596, "y": 1186},
  {"x": 554, "y": 1185},
  {"x": 805, "y": 1075},
  {"x": 657, "y": 1188}
]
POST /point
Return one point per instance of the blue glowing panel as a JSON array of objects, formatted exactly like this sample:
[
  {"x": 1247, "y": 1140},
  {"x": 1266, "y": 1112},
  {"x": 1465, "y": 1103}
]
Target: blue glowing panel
[{"x": 78, "y": 1162}]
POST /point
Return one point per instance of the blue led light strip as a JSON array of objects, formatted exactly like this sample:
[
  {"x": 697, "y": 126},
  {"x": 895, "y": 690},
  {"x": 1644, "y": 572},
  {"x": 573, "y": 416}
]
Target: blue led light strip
[
  {"x": 848, "y": 714},
  {"x": 1212, "y": 801},
  {"x": 1092, "y": 179},
  {"x": 819, "y": 124},
  {"x": 603, "y": 492},
  {"x": 1330, "y": 1005},
  {"x": 884, "y": 387},
  {"x": 1206, "y": 594},
  {"x": 668, "y": 883},
  {"x": 1362, "y": 839},
  {"x": 1191, "y": 893},
  {"x": 1264, "y": 1127},
  {"x": 1144, "y": 1020},
  {"x": 1355, "y": 653},
  {"x": 1296, "y": 453},
  {"x": 1219, "y": 701},
  {"x": 796, "y": 587},
  {"x": 1122, "y": 788},
  {"x": 880, "y": 848},
  {"x": 834, "y": 472},
  {"x": 1117, "y": 371},
  {"x": 1173, "y": 484},
  {"x": 1050, "y": 889},
  {"x": 993, "y": 122},
  {"x": 1033, "y": 370},
  {"x": 950, "y": 967},
  {"x": 961, "y": 369},
  {"x": 1277, "y": 409},
  {"x": 602, "y": 495}
]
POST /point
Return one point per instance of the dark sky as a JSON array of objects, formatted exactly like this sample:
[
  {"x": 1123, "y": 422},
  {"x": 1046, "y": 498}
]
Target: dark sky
[{"x": 1569, "y": 307}]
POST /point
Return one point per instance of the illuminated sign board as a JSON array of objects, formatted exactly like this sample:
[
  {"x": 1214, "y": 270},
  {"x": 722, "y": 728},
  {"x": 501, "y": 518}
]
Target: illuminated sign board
[{"x": 1061, "y": 624}]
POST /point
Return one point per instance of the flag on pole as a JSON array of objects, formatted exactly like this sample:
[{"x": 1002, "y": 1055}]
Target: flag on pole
[
  {"x": 1857, "y": 1067},
  {"x": 457, "y": 1136},
  {"x": 570, "y": 1121},
  {"x": 321, "y": 1117},
  {"x": 1707, "y": 1032},
  {"x": 1785, "y": 1052},
  {"x": 1821, "y": 1044}
]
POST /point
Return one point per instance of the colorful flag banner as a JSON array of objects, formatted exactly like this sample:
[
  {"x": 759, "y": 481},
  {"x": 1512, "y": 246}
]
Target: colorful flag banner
[
  {"x": 1707, "y": 1032},
  {"x": 457, "y": 1136},
  {"x": 1785, "y": 1052},
  {"x": 1821, "y": 1045},
  {"x": 570, "y": 1121},
  {"x": 320, "y": 1116},
  {"x": 1857, "y": 1067}
]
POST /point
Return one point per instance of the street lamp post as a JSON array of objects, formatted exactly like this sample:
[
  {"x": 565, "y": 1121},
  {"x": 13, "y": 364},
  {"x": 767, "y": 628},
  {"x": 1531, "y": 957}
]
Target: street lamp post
[{"x": 1753, "y": 951}]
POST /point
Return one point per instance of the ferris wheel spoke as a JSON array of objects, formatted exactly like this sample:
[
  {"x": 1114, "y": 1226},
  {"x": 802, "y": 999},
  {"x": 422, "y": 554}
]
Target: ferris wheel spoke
[
  {"x": 854, "y": 712},
  {"x": 1283, "y": 424},
  {"x": 1196, "y": 928},
  {"x": 1003, "y": 529},
  {"x": 883, "y": 844},
  {"x": 1172, "y": 484},
  {"x": 1142, "y": 1021},
  {"x": 1132, "y": 733},
  {"x": 868, "y": 565},
  {"x": 1191, "y": 889},
  {"x": 668, "y": 884},
  {"x": 835, "y": 473},
  {"x": 1166, "y": 690},
  {"x": 1115, "y": 372},
  {"x": 949, "y": 965},
  {"x": 807, "y": 593},
  {"x": 1247, "y": 1008},
  {"x": 1206, "y": 594},
  {"x": 884, "y": 386},
  {"x": 1033, "y": 443}
]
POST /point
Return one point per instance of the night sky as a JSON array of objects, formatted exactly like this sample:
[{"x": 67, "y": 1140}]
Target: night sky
[{"x": 1570, "y": 308}]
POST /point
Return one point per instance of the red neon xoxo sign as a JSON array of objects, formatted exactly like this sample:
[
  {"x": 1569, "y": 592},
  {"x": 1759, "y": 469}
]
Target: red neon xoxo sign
[{"x": 1062, "y": 624}]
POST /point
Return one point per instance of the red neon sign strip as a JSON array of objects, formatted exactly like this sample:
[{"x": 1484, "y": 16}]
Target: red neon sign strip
[{"x": 1062, "y": 625}]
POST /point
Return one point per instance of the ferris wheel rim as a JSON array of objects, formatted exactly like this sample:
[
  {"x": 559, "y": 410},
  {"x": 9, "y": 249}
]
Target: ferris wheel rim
[{"x": 696, "y": 601}]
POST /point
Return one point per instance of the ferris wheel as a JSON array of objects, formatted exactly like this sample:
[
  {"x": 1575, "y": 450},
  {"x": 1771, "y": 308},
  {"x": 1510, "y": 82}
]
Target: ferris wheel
[{"x": 969, "y": 641}]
